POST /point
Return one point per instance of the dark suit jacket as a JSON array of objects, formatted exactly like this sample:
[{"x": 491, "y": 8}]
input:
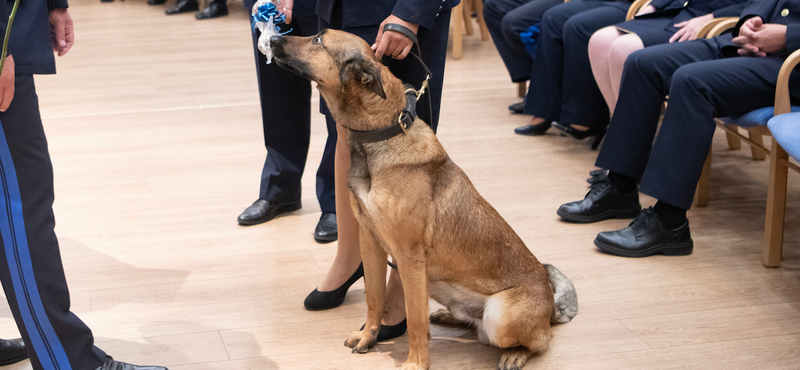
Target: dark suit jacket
[
  {"x": 359, "y": 13},
  {"x": 30, "y": 35},
  {"x": 684, "y": 10}
]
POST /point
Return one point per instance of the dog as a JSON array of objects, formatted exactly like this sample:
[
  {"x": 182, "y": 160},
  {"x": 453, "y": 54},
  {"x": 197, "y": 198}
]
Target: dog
[{"x": 414, "y": 204}]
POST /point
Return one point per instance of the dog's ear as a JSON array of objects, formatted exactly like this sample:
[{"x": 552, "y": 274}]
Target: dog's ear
[{"x": 365, "y": 72}]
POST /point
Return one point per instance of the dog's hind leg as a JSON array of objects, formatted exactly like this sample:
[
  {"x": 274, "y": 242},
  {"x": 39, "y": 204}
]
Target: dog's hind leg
[
  {"x": 514, "y": 359},
  {"x": 443, "y": 316},
  {"x": 374, "y": 259}
]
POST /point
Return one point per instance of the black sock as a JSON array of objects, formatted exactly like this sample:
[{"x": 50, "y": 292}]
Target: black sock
[
  {"x": 671, "y": 216},
  {"x": 624, "y": 184}
]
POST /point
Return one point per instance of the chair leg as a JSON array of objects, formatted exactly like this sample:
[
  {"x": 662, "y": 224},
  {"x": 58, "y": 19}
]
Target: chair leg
[
  {"x": 734, "y": 143},
  {"x": 467, "y": 11},
  {"x": 776, "y": 207},
  {"x": 522, "y": 89},
  {"x": 701, "y": 195},
  {"x": 478, "y": 8},
  {"x": 757, "y": 154},
  {"x": 458, "y": 32}
]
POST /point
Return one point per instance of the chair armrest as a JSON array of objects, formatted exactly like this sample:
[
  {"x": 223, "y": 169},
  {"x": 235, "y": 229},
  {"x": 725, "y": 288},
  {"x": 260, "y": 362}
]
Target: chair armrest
[
  {"x": 782, "y": 101},
  {"x": 635, "y": 6},
  {"x": 716, "y": 27}
]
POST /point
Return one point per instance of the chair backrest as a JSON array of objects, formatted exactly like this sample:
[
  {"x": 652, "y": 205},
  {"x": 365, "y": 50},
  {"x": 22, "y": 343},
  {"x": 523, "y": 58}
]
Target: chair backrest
[{"x": 634, "y": 8}]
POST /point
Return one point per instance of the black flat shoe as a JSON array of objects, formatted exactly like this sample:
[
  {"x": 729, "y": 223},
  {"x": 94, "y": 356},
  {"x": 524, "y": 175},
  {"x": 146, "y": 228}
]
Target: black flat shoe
[
  {"x": 603, "y": 201},
  {"x": 597, "y": 132},
  {"x": 12, "y": 351},
  {"x": 646, "y": 236},
  {"x": 216, "y": 8},
  {"x": 534, "y": 130},
  {"x": 326, "y": 230},
  {"x": 156, "y": 2},
  {"x": 318, "y": 301},
  {"x": 517, "y": 108},
  {"x": 597, "y": 175},
  {"x": 263, "y": 210},
  {"x": 183, "y": 6},
  {"x": 110, "y": 364},
  {"x": 390, "y": 332}
]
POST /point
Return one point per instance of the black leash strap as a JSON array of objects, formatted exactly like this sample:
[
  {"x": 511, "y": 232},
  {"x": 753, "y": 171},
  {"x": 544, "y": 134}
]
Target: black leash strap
[{"x": 403, "y": 30}]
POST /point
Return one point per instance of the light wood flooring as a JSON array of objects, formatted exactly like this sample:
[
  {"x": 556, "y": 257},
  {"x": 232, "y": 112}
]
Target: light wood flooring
[{"x": 155, "y": 133}]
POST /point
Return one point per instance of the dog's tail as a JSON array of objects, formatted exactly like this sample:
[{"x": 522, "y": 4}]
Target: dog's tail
[{"x": 565, "y": 297}]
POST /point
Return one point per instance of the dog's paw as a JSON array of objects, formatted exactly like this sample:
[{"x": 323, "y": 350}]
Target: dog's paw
[
  {"x": 360, "y": 342},
  {"x": 443, "y": 317},
  {"x": 414, "y": 366},
  {"x": 514, "y": 360}
]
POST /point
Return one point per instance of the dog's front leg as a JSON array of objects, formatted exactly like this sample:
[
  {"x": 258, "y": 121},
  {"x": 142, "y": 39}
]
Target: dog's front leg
[
  {"x": 412, "y": 267},
  {"x": 374, "y": 258}
]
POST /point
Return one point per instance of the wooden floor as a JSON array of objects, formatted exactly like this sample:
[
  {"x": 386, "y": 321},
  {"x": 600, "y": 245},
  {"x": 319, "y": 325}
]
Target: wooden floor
[{"x": 155, "y": 134}]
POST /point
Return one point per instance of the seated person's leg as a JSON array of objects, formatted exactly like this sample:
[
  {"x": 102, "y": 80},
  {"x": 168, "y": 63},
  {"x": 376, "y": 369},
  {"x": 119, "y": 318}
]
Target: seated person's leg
[
  {"x": 599, "y": 56},
  {"x": 632, "y": 129},
  {"x": 543, "y": 100},
  {"x": 620, "y": 49},
  {"x": 494, "y": 13},
  {"x": 698, "y": 92}
]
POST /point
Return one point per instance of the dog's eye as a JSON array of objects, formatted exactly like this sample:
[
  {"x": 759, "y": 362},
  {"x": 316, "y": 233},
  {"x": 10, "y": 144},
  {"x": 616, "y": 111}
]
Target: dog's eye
[{"x": 317, "y": 40}]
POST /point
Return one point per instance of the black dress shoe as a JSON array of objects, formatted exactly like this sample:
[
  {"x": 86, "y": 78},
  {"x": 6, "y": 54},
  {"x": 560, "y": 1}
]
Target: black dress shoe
[
  {"x": 216, "y": 8},
  {"x": 183, "y": 6},
  {"x": 597, "y": 175},
  {"x": 156, "y": 2},
  {"x": 110, "y": 364},
  {"x": 326, "y": 230},
  {"x": 646, "y": 236},
  {"x": 12, "y": 351},
  {"x": 263, "y": 210},
  {"x": 390, "y": 332},
  {"x": 534, "y": 130},
  {"x": 602, "y": 202},
  {"x": 318, "y": 301},
  {"x": 517, "y": 108},
  {"x": 597, "y": 132}
]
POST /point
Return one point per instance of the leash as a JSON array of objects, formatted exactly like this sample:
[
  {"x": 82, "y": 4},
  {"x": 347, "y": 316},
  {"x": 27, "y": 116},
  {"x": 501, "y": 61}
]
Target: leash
[{"x": 409, "y": 113}]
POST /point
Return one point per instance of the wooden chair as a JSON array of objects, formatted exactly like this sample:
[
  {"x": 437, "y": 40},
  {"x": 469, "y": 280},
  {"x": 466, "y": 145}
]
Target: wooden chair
[
  {"x": 461, "y": 20},
  {"x": 755, "y": 125}
]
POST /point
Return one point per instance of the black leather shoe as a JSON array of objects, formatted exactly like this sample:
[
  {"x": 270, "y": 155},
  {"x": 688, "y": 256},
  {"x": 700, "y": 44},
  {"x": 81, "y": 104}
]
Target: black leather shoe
[
  {"x": 183, "y": 6},
  {"x": 110, "y": 364},
  {"x": 534, "y": 130},
  {"x": 318, "y": 301},
  {"x": 517, "y": 108},
  {"x": 597, "y": 175},
  {"x": 216, "y": 8},
  {"x": 597, "y": 132},
  {"x": 12, "y": 351},
  {"x": 390, "y": 332},
  {"x": 156, "y": 2},
  {"x": 602, "y": 202},
  {"x": 326, "y": 230},
  {"x": 646, "y": 236},
  {"x": 263, "y": 210}
]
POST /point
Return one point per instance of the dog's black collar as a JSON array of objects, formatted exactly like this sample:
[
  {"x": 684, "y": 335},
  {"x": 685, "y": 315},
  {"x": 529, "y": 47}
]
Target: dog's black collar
[{"x": 404, "y": 121}]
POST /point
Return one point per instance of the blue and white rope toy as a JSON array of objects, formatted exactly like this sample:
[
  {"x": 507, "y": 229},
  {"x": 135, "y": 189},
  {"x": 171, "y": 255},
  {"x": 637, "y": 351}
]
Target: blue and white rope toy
[{"x": 266, "y": 18}]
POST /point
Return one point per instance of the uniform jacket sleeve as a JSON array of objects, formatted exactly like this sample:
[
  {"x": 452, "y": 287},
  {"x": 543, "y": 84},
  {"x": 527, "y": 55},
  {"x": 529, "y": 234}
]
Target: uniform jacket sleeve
[
  {"x": 56, "y": 4},
  {"x": 733, "y": 10},
  {"x": 664, "y": 4},
  {"x": 755, "y": 8},
  {"x": 421, "y": 12}
]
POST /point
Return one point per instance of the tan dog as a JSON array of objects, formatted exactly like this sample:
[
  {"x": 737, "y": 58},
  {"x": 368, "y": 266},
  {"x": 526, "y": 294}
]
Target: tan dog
[{"x": 415, "y": 204}]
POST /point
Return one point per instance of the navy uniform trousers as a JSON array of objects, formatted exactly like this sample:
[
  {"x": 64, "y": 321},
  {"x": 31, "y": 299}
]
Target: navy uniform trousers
[
  {"x": 702, "y": 84},
  {"x": 562, "y": 86},
  {"x": 506, "y": 19},
  {"x": 30, "y": 267},
  {"x": 286, "y": 117},
  {"x": 433, "y": 42}
]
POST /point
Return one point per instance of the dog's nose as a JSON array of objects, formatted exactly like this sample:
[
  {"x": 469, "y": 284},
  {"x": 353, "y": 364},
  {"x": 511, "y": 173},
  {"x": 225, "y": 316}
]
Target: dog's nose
[{"x": 275, "y": 39}]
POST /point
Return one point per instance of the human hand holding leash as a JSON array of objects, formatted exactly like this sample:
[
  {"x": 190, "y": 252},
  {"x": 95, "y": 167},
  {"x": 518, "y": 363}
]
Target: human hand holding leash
[
  {"x": 393, "y": 43},
  {"x": 7, "y": 84},
  {"x": 62, "y": 31}
]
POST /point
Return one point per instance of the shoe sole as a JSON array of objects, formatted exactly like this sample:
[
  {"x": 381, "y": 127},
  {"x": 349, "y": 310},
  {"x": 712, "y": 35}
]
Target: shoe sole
[
  {"x": 578, "y": 219},
  {"x": 326, "y": 239},
  {"x": 13, "y": 360},
  {"x": 682, "y": 249},
  {"x": 286, "y": 208}
]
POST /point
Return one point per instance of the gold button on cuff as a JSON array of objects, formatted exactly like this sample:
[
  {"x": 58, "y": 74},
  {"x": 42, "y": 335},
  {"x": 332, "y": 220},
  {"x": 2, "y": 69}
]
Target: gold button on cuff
[{"x": 784, "y": 12}]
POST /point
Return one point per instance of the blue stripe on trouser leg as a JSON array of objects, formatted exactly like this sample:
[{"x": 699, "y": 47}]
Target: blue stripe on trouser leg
[{"x": 43, "y": 338}]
